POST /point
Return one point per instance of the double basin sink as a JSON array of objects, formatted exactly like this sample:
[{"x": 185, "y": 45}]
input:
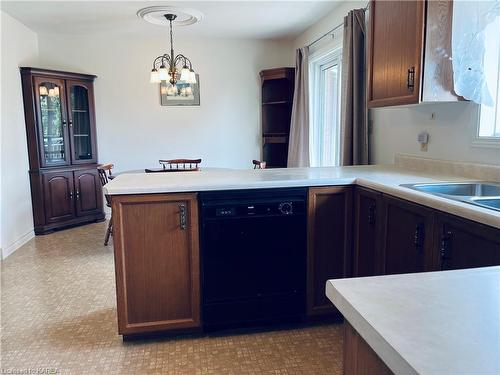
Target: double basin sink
[{"x": 482, "y": 194}]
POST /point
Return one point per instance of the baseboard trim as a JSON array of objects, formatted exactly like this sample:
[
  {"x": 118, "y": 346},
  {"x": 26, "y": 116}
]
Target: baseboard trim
[{"x": 17, "y": 244}]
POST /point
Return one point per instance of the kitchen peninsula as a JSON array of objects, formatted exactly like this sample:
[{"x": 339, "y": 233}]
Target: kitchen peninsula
[
  {"x": 426, "y": 323},
  {"x": 358, "y": 221}
]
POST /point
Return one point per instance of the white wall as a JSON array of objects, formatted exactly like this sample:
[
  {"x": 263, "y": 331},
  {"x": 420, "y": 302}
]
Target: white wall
[
  {"x": 19, "y": 48},
  {"x": 134, "y": 131},
  {"x": 451, "y": 133},
  {"x": 395, "y": 130}
]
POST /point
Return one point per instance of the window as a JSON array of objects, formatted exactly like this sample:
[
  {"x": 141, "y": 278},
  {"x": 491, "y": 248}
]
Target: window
[
  {"x": 489, "y": 115},
  {"x": 325, "y": 80}
]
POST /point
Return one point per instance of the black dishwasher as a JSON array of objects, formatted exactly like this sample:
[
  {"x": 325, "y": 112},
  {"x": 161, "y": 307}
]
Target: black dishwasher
[{"x": 253, "y": 254}]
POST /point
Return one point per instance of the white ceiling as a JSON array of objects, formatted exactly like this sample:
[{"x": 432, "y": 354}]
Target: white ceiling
[{"x": 238, "y": 19}]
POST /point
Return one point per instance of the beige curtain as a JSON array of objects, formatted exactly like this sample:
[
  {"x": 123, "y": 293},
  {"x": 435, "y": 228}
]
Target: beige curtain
[
  {"x": 298, "y": 147},
  {"x": 354, "y": 148}
]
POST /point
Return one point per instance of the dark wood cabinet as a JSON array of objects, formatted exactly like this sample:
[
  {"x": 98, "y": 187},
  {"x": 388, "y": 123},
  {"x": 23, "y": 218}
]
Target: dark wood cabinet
[
  {"x": 392, "y": 235},
  {"x": 157, "y": 262},
  {"x": 408, "y": 52},
  {"x": 276, "y": 112},
  {"x": 464, "y": 244},
  {"x": 329, "y": 243},
  {"x": 367, "y": 257},
  {"x": 395, "y": 53},
  {"x": 61, "y": 135},
  {"x": 407, "y": 237},
  {"x": 58, "y": 196}
]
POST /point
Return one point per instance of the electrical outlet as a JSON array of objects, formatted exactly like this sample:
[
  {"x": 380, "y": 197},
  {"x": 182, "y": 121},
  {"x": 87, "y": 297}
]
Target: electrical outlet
[{"x": 423, "y": 139}]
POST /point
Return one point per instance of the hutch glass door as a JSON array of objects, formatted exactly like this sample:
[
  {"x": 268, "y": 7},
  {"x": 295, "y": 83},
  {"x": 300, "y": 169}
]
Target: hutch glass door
[
  {"x": 54, "y": 148},
  {"x": 81, "y": 119}
]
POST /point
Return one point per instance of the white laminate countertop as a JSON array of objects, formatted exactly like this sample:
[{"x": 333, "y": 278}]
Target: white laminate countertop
[
  {"x": 385, "y": 179},
  {"x": 444, "y": 322}
]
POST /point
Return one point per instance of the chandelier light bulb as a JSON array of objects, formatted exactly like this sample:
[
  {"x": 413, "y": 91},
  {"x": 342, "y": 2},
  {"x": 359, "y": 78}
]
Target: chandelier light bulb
[
  {"x": 155, "y": 76},
  {"x": 163, "y": 73},
  {"x": 192, "y": 77},
  {"x": 185, "y": 73}
]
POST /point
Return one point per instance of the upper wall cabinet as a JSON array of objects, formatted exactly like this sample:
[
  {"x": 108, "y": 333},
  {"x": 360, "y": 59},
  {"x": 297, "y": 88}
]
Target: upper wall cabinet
[{"x": 409, "y": 53}]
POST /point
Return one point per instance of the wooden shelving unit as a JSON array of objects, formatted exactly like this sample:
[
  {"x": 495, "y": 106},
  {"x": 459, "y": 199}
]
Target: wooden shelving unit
[{"x": 277, "y": 97}]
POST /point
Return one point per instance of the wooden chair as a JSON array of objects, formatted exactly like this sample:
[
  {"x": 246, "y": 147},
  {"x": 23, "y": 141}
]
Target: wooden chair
[
  {"x": 257, "y": 164},
  {"x": 105, "y": 175},
  {"x": 180, "y": 164}
]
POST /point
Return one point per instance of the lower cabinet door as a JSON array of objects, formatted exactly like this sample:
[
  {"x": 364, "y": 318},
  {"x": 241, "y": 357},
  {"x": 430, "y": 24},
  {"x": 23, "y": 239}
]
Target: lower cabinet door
[
  {"x": 329, "y": 243},
  {"x": 465, "y": 244},
  {"x": 58, "y": 196},
  {"x": 408, "y": 237},
  {"x": 87, "y": 192},
  {"x": 367, "y": 233},
  {"x": 157, "y": 262}
]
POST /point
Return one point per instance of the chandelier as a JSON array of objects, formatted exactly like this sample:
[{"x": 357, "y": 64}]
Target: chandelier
[{"x": 166, "y": 67}]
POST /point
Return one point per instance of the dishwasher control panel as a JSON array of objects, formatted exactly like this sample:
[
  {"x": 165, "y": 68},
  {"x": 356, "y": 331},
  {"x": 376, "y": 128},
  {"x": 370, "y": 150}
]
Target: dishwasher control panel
[{"x": 233, "y": 204}]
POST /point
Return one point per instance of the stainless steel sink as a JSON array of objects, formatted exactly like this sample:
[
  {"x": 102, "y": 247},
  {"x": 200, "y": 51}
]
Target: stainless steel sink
[
  {"x": 475, "y": 189},
  {"x": 484, "y": 194},
  {"x": 493, "y": 203}
]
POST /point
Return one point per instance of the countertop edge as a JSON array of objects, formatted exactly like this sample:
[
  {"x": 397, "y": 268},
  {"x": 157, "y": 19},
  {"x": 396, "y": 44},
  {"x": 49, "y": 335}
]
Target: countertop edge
[
  {"x": 460, "y": 209},
  {"x": 393, "y": 359}
]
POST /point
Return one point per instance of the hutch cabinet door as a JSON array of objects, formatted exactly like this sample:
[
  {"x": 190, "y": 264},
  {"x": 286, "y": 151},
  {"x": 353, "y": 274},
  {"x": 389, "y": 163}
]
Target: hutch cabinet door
[
  {"x": 58, "y": 196},
  {"x": 329, "y": 243},
  {"x": 87, "y": 192},
  {"x": 408, "y": 237},
  {"x": 81, "y": 119},
  {"x": 464, "y": 244},
  {"x": 157, "y": 262},
  {"x": 367, "y": 233},
  {"x": 395, "y": 52},
  {"x": 50, "y": 101}
]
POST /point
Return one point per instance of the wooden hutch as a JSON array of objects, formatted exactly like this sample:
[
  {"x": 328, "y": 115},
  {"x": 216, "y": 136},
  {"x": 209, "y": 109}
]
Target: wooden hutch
[
  {"x": 60, "y": 127},
  {"x": 277, "y": 98}
]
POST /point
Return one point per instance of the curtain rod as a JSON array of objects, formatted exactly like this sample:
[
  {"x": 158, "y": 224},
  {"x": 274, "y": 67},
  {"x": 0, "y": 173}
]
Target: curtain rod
[{"x": 332, "y": 30}]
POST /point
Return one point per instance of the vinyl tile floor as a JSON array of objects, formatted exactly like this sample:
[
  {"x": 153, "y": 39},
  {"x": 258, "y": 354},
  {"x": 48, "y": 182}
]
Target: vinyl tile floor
[{"x": 58, "y": 315}]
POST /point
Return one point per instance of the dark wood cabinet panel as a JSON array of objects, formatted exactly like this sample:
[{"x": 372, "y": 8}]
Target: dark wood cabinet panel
[
  {"x": 87, "y": 192},
  {"x": 359, "y": 357},
  {"x": 329, "y": 243},
  {"x": 465, "y": 244},
  {"x": 408, "y": 237},
  {"x": 58, "y": 196},
  {"x": 157, "y": 262},
  {"x": 367, "y": 233},
  {"x": 395, "y": 52}
]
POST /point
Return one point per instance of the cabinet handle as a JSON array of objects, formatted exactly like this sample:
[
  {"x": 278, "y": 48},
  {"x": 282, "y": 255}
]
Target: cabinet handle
[
  {"x": 372, "y": 209},
  {"x": 70, "y": 123},
  {"x": 410, "y": 79},
  {"x": 445, "y": 250},
  {"x": 419, "y": 237},
  {"x": 77, "y": 194},
  {"x": 64, "y": 123},
  {"x": 71, "y": 195},
  {"x": 182, "y": 216}
]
